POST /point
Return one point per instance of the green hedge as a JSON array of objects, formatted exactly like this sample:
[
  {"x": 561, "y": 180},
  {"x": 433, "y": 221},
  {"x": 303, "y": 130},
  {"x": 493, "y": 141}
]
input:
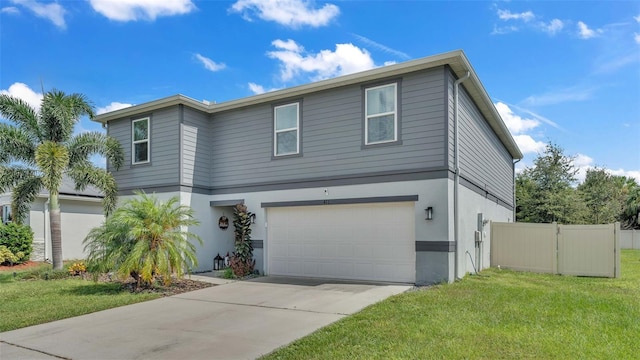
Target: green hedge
[{"x": 18, "y": 239}]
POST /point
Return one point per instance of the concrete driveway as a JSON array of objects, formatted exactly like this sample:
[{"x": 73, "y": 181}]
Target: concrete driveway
[{"x": 237, "y": 320}]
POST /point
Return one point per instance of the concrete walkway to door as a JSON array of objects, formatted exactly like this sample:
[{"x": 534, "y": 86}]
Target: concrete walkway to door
[{"x": 237, "y": 320}]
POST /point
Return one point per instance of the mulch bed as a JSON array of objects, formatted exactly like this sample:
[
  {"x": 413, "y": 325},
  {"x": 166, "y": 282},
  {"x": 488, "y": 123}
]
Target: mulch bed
[
  {"x": 23, "y": 266},
  {"x": 177, "y": 286}
]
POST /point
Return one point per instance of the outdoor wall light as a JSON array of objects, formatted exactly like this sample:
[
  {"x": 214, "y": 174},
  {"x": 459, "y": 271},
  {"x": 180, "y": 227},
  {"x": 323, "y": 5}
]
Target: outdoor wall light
[
  {"x": 429, "y": 212},
  {"x": 218, "y": 262},
  {"x": 253, "y": 218}
]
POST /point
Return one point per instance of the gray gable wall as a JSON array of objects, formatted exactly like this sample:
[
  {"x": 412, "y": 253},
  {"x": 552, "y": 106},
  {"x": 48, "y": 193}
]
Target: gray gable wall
[
  {"x": 231, "y": 151},
  {"x": 163, "y": 170},
  {"x": 484, "y": 160},
  {"x": 331, "y": 137}
]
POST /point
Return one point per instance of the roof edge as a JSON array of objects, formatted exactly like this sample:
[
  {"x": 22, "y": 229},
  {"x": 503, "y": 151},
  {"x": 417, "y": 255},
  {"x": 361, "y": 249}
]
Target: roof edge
[{"x": 456, "y": 59}]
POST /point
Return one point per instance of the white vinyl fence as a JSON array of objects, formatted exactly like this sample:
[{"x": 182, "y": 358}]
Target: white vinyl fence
[
  {"x": 582, "y": 250},
  {"x": 630, "y": 239}
]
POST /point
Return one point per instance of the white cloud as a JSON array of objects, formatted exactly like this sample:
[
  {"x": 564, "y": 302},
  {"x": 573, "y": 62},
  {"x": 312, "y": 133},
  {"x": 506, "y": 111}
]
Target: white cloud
[
  {"x": 210, "y": 64},
  {"x": 346, "y": 59},
  {"x": 112, "y": 107},
  {"x": 636, "y": 37},
  {"x": 637, "y": 18},
  {"x": 628, "y": 173},
  {"x": 384, "y": 48},
  {"x": 573, "y": 93},
  {"x": 529, "y": 145},
  {"x": 518, "y": 126},
  {"x": 256, "y": 89},
  {"x": 582, "y": 163},
  {"x": 291, "y": 13},
  {"x": 515, "y": 123},
  {"x": 289, "y": 45},
  {"x": 584, "y": 32},
  {"x": 10, "y": 10},
  {"x": 133, "y": 10},
  {"x": 553, "y": 27},
  {"x": 508, "y": 15},
  {"x": 259, "y": 89},
  {"x": 24, "y": 92},
  {"x": 504, "y": 30},
  {"x": 53, "y": 12}
]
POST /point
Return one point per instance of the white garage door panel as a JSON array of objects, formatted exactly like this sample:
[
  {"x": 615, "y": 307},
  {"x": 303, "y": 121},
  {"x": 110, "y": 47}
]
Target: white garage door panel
[{"x": 363, "y": 242}]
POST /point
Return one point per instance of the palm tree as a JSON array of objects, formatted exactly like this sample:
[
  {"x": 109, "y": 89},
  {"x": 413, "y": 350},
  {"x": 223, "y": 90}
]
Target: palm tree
[
  {"x": 39, "y": 148},
  {"x": 144, "y": 238}
]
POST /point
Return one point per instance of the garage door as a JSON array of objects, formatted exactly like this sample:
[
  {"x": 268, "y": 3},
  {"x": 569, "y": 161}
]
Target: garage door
[{"x": 363, "y": 242}]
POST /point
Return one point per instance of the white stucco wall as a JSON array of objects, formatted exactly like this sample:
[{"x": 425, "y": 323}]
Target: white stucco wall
[
  {"x": 472, "y": 203},
  {"x": 78, "y": 217}
]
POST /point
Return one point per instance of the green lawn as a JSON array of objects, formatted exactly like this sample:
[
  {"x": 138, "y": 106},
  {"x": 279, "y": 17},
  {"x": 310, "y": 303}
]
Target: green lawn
[
  {"x": 498, "y": 315},
  {"x": 30, "y": 302}
]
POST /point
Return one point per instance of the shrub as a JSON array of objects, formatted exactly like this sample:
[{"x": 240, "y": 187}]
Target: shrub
[
  {"x": 18, "y": 239},
  {"x": 145, "y": 238},
  {"x": 77, "y": 268},
  {"x": 242, "y": 261},
  {"x": 6, "y": 256}
]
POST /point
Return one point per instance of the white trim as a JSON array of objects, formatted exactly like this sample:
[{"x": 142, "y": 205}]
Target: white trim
[
  {"x": 134, "y": 142},
  {"x": 394, "y": 113},
  {"x": 276, "y": 132}
]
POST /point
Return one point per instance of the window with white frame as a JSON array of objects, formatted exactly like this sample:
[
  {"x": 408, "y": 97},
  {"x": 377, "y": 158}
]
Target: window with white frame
[
  {"x": 286, "y": 129},
  {"x": 140, "y": 141},
  {"x": 5, "y": 212},
  {"x": 381, "y": 114}
]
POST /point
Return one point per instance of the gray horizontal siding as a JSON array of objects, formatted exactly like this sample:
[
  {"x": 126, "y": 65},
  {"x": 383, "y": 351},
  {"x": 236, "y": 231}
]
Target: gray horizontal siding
[
  {"x": 196, "y": 148},
  {"x": 451, "y": 112},
  {"x": 241, "y": 140},
  {"x": 163, "y": 168},
  {"x": 484, "y": 160}
]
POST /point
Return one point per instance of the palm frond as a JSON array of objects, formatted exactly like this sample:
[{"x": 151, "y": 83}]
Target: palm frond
[
  {"x": 60, "y": 112},
  {"x": 52, "y": 160},
  {"x": 12, "y": 175},
  {"x": 15, "y": 144},
  {"x": 22, "y": 114},
  {"x": 84, "y": 145},
  {"x": 147, "y": 238},
  {"x": 86, "y": 173},
  {"x": 24, "y": 193}
]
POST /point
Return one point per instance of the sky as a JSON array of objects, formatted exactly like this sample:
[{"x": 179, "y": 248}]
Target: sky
[{"x": 565, "y": 72}]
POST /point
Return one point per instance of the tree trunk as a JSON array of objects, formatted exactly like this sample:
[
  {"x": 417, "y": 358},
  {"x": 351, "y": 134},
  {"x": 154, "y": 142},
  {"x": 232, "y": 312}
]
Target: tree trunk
[{"x": 56, "y": 232}]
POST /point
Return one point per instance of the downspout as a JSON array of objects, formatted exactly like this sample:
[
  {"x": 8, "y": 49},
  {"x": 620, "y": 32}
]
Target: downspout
[
  {"x": 46, "y": 219},
  {"x": 514, "y": 188},
  {"x": 456, "y": 168}
]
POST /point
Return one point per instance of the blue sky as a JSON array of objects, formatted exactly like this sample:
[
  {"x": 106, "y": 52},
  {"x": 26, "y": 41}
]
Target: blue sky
[{"x": 566, "y": 72}]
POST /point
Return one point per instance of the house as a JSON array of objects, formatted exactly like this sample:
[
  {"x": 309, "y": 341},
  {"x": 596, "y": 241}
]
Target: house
[
  {"x": 80, "y": 211},
  {"x": 353, "y": 177}
]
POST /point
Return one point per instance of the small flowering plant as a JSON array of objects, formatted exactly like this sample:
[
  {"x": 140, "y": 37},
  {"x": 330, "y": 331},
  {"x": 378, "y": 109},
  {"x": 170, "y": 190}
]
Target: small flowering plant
[{"x": 77, "y": 268}]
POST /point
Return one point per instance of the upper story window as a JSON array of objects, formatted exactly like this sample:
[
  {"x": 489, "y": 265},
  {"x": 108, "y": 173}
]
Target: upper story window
[
  {"x": 381, "y": 114},
  {"x": 286, "y": 129},
  {"x": 140, "y": 141}
]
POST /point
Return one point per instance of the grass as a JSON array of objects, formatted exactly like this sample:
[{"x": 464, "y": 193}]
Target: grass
[
  {"x": 497, "y": 315},
  {"x": 28, "y": 300}
]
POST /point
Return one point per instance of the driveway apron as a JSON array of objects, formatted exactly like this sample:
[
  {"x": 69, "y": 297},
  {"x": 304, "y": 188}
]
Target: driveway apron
[{"x": 237, "y": 320}]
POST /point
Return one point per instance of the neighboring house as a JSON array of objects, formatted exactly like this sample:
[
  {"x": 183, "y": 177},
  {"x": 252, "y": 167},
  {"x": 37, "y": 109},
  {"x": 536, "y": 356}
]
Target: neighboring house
[
  {"x": 351, "y": 178},
  {"x": 80, "y": 211}
]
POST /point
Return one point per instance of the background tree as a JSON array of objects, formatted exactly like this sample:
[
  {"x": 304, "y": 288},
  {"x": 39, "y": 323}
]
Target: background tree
[
  {"x": 545, "y": 193},
  {"x": 39, "y": 148},
  {"x": 630, "y": 215},
  {"x": 144, "y": 238},
  {"x": 603, "y": 197}
]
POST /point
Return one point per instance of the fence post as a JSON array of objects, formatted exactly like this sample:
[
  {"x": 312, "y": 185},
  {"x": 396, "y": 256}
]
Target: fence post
[
  {"x": 616, "y": 233},
  {"x": 556, "y": 259}
]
